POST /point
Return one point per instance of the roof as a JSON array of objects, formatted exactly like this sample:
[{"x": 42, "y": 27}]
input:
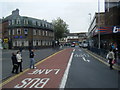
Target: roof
[{"x": 16, "y": 16}]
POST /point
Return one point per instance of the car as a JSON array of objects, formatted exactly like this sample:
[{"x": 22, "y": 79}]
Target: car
[
  {"x": 80, "y": 44},
  {"x": 72, "y": 45}
]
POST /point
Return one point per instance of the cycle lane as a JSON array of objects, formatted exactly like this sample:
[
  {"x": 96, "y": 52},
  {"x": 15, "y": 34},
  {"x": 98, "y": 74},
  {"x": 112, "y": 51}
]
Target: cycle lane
[{"x": 48, "y": 73}]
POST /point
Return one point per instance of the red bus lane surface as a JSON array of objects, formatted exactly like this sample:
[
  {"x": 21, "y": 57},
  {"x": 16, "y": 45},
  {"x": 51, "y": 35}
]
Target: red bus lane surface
[{"x": 48, "y": 74}]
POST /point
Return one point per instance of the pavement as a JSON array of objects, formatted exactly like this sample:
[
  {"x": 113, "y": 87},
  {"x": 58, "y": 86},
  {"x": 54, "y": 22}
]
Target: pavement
[{"x": 48, "y": 74}]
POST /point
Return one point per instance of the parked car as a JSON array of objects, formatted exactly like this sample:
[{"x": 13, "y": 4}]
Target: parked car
[
  {"x": 80, "y": 44},
  {"x": 72, "y": 45}
]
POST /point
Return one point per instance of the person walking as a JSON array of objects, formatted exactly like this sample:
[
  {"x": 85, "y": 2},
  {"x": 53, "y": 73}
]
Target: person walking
[
  {"x": 111, "y": 58},
  {"x": 32, "y": 60},
  {"x": 19, "y": 60},
  {"x": 15, "y": 63}
]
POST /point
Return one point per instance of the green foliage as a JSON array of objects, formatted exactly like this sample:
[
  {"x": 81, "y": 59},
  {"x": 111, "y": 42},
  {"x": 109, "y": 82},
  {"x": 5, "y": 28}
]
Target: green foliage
[{"x": 60, "y": 28}]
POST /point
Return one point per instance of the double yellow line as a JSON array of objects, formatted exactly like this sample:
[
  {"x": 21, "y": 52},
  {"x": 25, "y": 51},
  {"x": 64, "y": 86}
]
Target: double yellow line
[
  {"x": 115, "y": 67},
  {"x": 13, "y": 77}
]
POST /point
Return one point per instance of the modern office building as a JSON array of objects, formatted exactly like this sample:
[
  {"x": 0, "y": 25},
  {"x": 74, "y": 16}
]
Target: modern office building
[{"x": 21, "y": 31}]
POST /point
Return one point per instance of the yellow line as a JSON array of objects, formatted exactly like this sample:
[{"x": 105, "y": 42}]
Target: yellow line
[
  {"x": 101, "y": 60},
  {"x": 13, "y": 77}
]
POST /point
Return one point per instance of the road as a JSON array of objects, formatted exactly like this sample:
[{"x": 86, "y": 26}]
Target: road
[
  {"x": 69, "y": 68},
  {"x": 88, "y": 72}
]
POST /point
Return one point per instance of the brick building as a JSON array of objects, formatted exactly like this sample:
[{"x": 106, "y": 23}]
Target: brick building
[{"x": 21, "y": 31}]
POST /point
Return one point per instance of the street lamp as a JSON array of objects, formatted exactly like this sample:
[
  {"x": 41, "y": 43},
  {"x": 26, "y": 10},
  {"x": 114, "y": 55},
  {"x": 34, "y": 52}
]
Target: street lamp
[
  {"x": 90, "y": 16},
  {"x": 98, "y": 24}
]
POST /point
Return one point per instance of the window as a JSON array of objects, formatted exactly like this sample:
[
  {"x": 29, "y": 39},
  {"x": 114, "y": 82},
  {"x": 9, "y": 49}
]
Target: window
[
  {"x": 9, "y": 32},
  {"x": 19, "y": 43},
  {"x": 18, "y": 21},
  {"x": 34, "y": 43},
  {"x": 34, "y": 32},
  {"x": 13, "y": 22},
  {"x": 13, "y": 32},
  {"x": 25, "y": 21},
  {"x": 43, "y": 33},
  {"x": 25, "y": 31},
  {"x": 39, "y": 32},
  {"x": 18, "y": 31},
  {"x": 46, "y": 33},
  {"x": 39, "y": 43},
  {"x": 34, "y": 22},
  {"x": 25, "y": 43},
  {"x": 38, "y": 23},
  {"x": 14, "y": 43},
  {"x": 9, "y": 22}
]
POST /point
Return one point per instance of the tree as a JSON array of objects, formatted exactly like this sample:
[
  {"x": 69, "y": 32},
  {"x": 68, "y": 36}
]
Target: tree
[{"x": 60, "y": 28}]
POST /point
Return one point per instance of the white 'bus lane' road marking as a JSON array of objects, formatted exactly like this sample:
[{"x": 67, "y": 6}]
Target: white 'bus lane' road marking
[
  {"x": 45, "y": 71},
  {"x": 37, "y": 82}
]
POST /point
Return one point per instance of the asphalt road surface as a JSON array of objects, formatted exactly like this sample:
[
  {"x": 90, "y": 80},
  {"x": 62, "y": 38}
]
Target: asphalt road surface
[{"x": 88, "y": 72}]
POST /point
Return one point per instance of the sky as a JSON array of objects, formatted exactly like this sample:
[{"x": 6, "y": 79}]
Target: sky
[{"x": 74, "y": 12}]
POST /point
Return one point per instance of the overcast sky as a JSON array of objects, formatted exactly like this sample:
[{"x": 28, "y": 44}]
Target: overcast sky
[{"x": 74, "y": 12}]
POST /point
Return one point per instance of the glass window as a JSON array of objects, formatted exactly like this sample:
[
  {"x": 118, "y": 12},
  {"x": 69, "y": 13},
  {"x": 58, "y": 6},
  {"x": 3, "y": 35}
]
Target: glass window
[
  {"x": 9, "y": 22},
  {"x": 9, "y": 32},
  {"x": 43, "y": 33},
  {"x": 25, "y": 31},
  {"x": 13, "y": 22},
  {"x": 18, "y": 21},
  {"x": 34, "y": 22},
  {"x": 18, "y": 31},
  {"x": 46, "y": 33},
  {"x": 38, "y": 23},
  {"x": 39, "y": 32},
  {"x": 34, "y": 32},
  {"x": 13, "y": 32},
  {"x": 25, "y": 43},
  {"x": 25, "y": 21}
]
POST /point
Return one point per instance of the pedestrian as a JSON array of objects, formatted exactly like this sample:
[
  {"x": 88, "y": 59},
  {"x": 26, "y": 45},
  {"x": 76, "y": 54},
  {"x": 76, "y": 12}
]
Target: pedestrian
[
  {"x": 111, "y": 58},
  {"x": 32, "y": 60},
  {"x": 15, "y": 63},
  {"x": 19, "y": 60}
]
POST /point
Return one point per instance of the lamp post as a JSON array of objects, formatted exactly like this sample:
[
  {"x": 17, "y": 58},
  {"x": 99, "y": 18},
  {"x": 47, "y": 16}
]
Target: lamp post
[
  {"x": 90, "y": 16},
  {"x": 98, "y": 24}
]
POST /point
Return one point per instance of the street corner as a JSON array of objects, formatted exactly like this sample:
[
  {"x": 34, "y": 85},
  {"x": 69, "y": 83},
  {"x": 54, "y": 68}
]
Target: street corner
[{"x": 48, "y": 73}]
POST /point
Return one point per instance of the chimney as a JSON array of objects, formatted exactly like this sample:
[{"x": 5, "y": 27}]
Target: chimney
[{"x": 15, "y": 12}]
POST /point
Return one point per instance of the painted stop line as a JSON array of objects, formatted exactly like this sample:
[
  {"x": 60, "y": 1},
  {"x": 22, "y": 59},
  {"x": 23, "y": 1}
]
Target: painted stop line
[{"x": 48, "y": 74}]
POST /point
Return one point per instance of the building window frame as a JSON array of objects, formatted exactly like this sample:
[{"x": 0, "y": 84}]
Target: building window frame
[{"x": 18, "y": 31}]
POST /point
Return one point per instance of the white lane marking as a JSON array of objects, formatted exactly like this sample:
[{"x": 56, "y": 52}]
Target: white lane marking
[
  {"x": 88, "y": 60},
  {"x": 84, "y": 59},
  {"x": 65, "y": 76}
]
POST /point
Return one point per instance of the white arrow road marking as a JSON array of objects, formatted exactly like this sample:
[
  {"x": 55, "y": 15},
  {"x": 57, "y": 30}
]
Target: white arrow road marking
[
  {"x": 84, "y": 58},
  {"x": 88, "y": 60},
  {"x": 76, "y": 55}
]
